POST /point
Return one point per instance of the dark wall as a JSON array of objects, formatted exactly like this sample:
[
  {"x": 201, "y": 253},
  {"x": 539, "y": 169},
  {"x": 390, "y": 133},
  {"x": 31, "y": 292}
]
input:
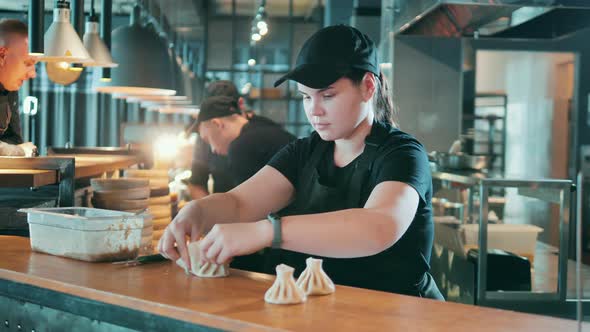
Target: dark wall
[{"x": 427, "y": 88}]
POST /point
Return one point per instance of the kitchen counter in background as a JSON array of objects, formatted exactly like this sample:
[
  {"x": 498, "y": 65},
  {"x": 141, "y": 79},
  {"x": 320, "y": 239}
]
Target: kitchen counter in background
[
  {"x": 36, "y": 287},
  {"x": 85, "y": 166}
]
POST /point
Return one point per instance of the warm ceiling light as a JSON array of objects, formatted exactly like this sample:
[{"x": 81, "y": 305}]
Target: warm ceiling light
[
  {"x": 62, "y": 72},
  {"x": 256, "y": 37},
  {"x": 61, "y": 41}
]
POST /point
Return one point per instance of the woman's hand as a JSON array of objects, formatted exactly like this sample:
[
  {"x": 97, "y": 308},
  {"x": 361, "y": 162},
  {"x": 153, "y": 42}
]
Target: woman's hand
[
  {"x": 226, "y": 241},
  {"x": 172, "y": 244}
]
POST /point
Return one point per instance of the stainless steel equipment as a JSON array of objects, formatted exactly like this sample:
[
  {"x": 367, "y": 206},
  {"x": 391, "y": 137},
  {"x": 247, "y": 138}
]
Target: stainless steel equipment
[
  {"x": 495, "y": 18},
  {"x": 552, "y": 299},
  {"x": 459, "y": 161}
]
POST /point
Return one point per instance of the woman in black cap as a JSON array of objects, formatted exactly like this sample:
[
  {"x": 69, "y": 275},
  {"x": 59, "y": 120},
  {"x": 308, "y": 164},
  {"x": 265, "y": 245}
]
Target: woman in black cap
[{"x": 356, "y": 192}]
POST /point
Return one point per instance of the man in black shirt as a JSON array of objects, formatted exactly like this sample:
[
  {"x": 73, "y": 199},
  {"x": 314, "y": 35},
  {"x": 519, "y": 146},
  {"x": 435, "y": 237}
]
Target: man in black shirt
[
  {"x": 16, "y": 66},
  {"x": 248, "y": 143},
  {"x": 206, "y": 163}
]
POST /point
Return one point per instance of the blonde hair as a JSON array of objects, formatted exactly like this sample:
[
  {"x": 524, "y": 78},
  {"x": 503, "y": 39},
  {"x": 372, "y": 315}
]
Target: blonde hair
[{"x": 11, "y": 27}]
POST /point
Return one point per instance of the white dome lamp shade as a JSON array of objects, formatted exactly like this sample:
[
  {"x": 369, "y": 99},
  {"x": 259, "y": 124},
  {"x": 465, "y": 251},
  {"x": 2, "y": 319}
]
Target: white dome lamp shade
[
  {"x": 144, "y": 64},
  {"x": 148, "y": 104},
  {"x": 193, "y": 111},
  {"x": 95, "y": 46},
  {"x": 62, "y": 43},
  {"x": 147, "y": 98}
]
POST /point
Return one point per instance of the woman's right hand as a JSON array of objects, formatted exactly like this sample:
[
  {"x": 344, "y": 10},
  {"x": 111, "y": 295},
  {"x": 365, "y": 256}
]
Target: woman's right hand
[{"x": 173, "y": 243}]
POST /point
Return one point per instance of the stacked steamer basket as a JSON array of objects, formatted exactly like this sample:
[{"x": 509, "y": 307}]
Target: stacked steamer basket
[
  {"x": 160, "y": 201},
  {"x": 129, "y": 195}
]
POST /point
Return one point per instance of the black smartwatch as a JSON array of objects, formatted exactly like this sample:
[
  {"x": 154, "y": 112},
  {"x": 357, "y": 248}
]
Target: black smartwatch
[{"x": 277, "y": 238}]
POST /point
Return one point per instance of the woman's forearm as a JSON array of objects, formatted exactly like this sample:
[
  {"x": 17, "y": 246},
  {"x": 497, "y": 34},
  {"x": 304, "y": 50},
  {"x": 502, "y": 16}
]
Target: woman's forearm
[
  {"x": 341, "y": 234},
  {"x": 214, "y": 209}
]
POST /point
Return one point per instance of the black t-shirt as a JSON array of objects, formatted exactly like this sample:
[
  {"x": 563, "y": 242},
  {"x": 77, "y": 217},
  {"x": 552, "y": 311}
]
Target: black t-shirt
[
  {"x": 400, "y": 158},
  {"x": 259, "y": 140},
  {"x": 205, "y": 162},
  {"x": 10, "y": 131}
]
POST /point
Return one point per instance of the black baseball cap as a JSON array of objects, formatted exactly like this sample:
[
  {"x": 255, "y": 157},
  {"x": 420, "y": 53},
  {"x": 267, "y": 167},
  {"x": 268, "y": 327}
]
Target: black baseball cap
[
  {"x": 331, "y": 53},
  {"x": 217, "y": 107},
  {"x": 222, "y": 88}
]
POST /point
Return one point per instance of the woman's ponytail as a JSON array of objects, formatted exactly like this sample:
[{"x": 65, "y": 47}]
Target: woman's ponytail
[{"x": 384, "y": 107}]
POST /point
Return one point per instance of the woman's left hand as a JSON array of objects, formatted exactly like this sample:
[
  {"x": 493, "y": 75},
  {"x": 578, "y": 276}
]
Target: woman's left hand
[{"x": 226, "y": 241}]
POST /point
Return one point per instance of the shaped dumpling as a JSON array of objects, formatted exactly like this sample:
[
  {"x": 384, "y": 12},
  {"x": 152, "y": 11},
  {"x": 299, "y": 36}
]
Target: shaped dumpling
[
  {"x": 313, "y": 280},
  {"x": 182, "y": 265},
  {"x": 206, "y": 270},
  {"x": 284, "y": 290}
]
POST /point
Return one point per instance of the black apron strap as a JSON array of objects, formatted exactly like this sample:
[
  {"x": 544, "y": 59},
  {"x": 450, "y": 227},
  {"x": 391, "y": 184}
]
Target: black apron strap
[
  {"x": 365, "y": 164},
  {"x": 314, "y": 159}
]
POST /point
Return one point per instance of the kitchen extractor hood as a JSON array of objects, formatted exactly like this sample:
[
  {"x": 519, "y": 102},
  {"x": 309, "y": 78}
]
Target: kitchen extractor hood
[{"x": 490, "y": 18}]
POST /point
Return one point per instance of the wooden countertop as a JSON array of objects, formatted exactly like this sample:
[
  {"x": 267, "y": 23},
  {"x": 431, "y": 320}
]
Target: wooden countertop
[
  {"x": 91, "y": 165},
  {"x": 27, "y": 177},
  {"x": 236, "y": 302},
  {"x": 87, "y": 165}
]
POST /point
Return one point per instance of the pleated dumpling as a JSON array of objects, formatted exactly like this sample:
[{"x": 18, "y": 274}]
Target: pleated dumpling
[
  {"x": 284, "y": 290},
  {"x": 206, "y": 270},
  {"x": 182, "y": 265},
  {"x": 313, "y": 280}
]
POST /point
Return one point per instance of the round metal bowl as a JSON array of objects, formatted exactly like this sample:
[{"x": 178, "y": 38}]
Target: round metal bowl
[{"x": 460, "y": 161}]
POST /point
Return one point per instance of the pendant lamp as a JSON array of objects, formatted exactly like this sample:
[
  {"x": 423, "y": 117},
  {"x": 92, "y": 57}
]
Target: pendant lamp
[
  {"x": 144, "y": 65},
  {"x": 62, "y": 43},
  {"x": 95, "y": 45},
  {"x": 193, "y": 111}
]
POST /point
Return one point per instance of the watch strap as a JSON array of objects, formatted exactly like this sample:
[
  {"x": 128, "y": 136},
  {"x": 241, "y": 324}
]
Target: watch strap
[{"x": 277, "y": 238}]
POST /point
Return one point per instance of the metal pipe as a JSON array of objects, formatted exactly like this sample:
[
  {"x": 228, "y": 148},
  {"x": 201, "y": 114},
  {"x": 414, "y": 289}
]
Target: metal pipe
[
  {"x": 78, "y": 16},
  {"x": 579, "y": 285},
  {"x": 205, "y": 46},
  {"x": 36, "y": 26},
  {"x": 106, "y": 17},
  {"x": 136, "y": 15},
  {"x": 234, "y": 33}
]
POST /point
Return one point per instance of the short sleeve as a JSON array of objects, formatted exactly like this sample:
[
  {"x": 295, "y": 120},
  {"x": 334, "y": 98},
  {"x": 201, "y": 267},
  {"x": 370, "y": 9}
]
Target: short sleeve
[
  {"x": 287, "y": 159},
  {"x": 407, "y": 163}
]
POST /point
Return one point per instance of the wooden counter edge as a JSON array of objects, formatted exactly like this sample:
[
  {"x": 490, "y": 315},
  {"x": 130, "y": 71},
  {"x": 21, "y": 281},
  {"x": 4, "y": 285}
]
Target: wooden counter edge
[{"x": 74, "y": 293}]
